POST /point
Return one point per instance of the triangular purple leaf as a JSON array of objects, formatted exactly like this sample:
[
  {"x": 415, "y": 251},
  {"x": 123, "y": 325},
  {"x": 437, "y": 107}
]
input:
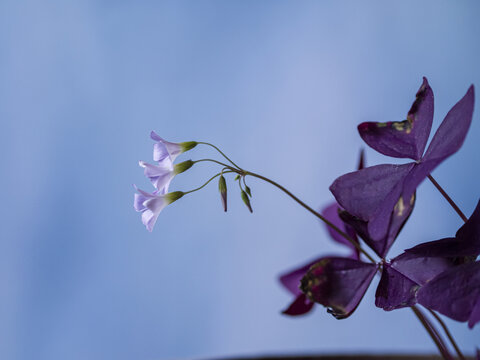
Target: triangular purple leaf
[
  {"x": 371, "y": 194},
  {"x": 454, "y": 293},
  {"x": 403, "y": 277},
  {"x": 452, "y": 131},
  {"x": 291, "y": 279},
  {"x": 331, "y": 214},
  {"x": 338, "y": 284},
  {"x": 403, "y": 139},
  {"x": 300, "y": 306},
  {"x": 466, "y": 242},
  {"x": 420, "y": 269},
  {"x": 395, "y": 290}
]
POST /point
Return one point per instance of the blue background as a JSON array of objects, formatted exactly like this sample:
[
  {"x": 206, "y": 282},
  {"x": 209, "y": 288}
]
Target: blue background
[{"x": 280, "y": 86}]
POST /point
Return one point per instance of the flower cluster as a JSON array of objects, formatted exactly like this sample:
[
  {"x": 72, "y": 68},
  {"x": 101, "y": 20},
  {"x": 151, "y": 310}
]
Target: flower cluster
[
  {"x": 374, "y": 203},
  {"x": 161, "y": 174}
]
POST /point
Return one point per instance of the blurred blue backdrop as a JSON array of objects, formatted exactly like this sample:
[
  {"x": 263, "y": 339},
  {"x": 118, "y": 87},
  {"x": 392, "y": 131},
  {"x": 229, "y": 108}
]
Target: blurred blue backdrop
[{"x": 280, "y": 86}]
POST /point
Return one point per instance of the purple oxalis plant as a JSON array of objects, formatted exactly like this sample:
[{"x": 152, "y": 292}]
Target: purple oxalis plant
[{"x": 372, "y": 206}]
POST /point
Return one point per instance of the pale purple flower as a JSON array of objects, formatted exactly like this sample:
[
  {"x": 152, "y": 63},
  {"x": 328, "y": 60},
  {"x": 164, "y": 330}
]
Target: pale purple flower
[
  {"x": 166, "y": 150},
  {"x": 160, "y": 175},
  {"x": 151, "y": 204}
]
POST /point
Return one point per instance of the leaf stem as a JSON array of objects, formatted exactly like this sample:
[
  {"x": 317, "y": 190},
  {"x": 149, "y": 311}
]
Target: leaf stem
[
  {"x": 449, "y": 335},
  {"x": 448, "y": 198},
  {"x": 433, "y": 333},
  {"x": 318, "y": 215}
]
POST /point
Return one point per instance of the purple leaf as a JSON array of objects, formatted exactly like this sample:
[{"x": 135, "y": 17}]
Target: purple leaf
[
  {"x": 420, "y": 269},
  {"x": 469, "y": 233},
  {"x": 395, "y": 290},
  {"x": 338, "y": 284},
  {"x": 291, "y": 280},
  {"x": 331, "y": 214},
  {"x": 371, "y": 194},
  {"x": 402, "y": 278},
  {"x": 403, "y": 139},
  {"x": 454, "y": 293},
  {"x": 466, "y": 242},
  {"x": 300, "y": 306},
  {"x": 452, "y": 131}
]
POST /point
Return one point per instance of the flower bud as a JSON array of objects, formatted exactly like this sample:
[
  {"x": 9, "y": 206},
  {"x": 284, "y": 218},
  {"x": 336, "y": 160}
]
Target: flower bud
[
  {"x": 222, "y": 187},
  {"x": 249, "y": 192},
  {"x": 246, "y": 200},
  {"x": 173, "y": 196},
  {"x": 183, "y": 166}
]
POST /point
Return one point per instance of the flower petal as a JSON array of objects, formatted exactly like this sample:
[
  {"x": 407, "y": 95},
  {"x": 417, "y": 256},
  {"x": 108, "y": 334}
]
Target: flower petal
[
  {"x": 338, "y": 284},
  {"x": 454, "y": 293},
  {"x": 371, "y": 194},
  {"x": 403, "y": 139},
  {"x": 452, "y": 131},
  {"x": 160, "y": 175},
  {"x": 300, "y": 306},
  {"x": 163, "y": 149}
]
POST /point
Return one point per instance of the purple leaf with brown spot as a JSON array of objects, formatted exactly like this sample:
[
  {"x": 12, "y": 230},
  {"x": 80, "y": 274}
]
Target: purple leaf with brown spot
[
  {"x": 338, "y": 284},
  {"x": 403, "y": 139},
  {"x": 372, "y": 193}
]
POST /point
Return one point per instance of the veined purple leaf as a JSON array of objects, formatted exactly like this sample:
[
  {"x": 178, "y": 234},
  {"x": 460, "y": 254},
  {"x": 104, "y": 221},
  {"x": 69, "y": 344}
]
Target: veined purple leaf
[
  {"x": 371, "y": 194},
  {"x": 454, "y": 293},
  {"x": 400, "y": 215},
  {"x": 338, "y": 284},
  {"x": 403, "y": 277},
  {"x": 395, "y": 290},
  {"x": 403, "y": 139},
  {"x": 452, "y": 131},
  {"x": 420, "y": 269},
  {"x": 466, "y": 242}
]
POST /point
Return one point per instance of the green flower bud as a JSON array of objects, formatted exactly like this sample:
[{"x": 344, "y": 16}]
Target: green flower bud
[
  {"x": 237, "y": 177},
  {"x": 183, "y": 166},
  {"x": 247, "y": 189},
  {"x": 222, "y": 187},
  {"x": 246, "y": 200}
]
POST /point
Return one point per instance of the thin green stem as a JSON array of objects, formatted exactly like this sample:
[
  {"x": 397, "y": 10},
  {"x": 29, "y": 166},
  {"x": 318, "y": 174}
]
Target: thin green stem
[
  {"x": 240, "y": 184},
  {"x": 447, "y": 332},
  {"x": 448, "y": 198},
  {"x": 208, "y": 181},
  {"x": 221, "y": 152},
  {"x": 318, "y": 215},
  {"x": 216, "y": 162},
  {"x": 433, "y": 333},
  {"x": 244, "y": 182}
]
